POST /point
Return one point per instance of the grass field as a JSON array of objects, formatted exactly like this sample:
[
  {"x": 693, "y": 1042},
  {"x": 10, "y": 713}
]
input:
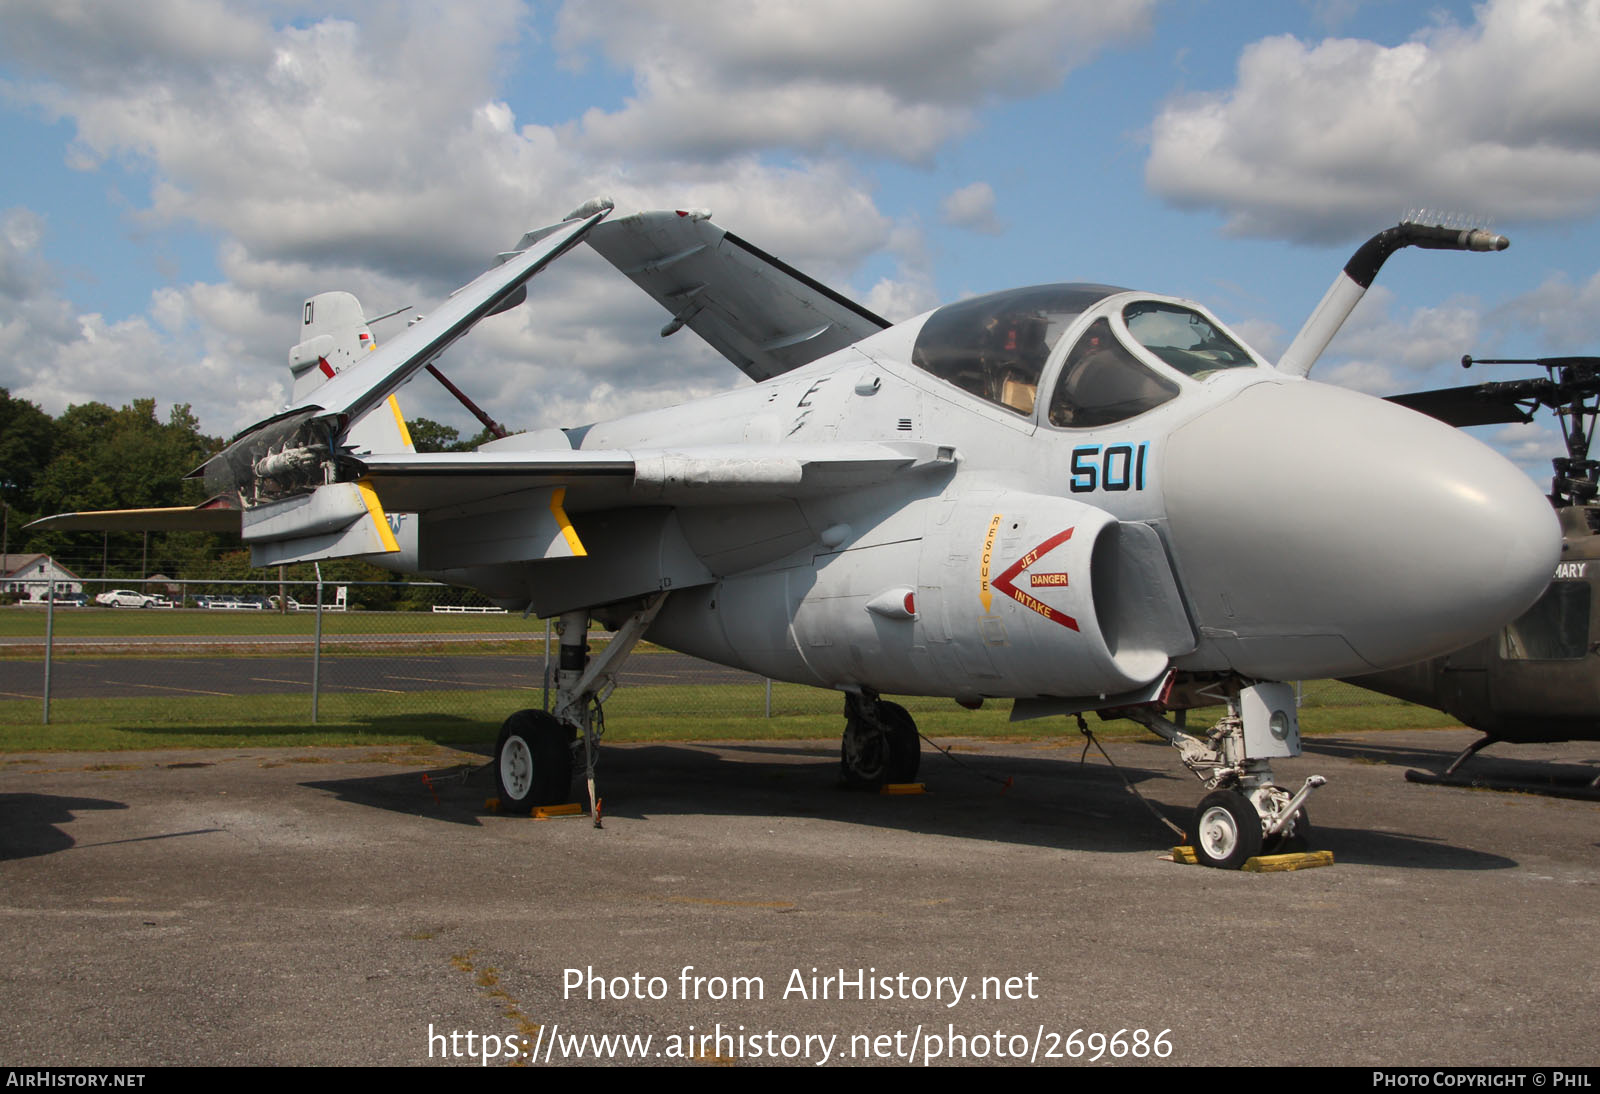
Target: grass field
[
  {"x": 472, "y": 718},
  {"x": 673, "y": 713}
]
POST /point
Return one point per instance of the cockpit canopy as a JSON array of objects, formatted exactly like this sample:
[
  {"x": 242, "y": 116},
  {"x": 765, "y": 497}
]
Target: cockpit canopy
[{"x": 997, "y": 346}]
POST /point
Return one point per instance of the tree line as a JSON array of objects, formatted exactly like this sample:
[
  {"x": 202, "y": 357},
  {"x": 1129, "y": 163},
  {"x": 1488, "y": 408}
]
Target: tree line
[{"x": 92, "y": 456}]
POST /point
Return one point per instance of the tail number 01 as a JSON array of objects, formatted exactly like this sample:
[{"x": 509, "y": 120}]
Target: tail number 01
[{"x": 1108, "y": 467}]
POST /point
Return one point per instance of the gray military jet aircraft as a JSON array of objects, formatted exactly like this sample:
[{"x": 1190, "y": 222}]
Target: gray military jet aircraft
[{"x": 1073, "y": 496}]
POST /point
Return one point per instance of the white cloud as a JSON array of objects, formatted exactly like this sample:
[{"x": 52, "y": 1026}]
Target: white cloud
[
  {"x": 972, "y": 207},
  {"x": 1556, "y": 317},
  {"x": 1261, "y": 335},
  {"x": 1372, "y": 377},
  {"x": 1317, "y": 142},
  {"x": 97, "y": 44},
  {"x": 374, "y": 142},
  {"x": 894, "y": 77},
  {"x": 1531, "y": 446},
  {"x": 898, "y": 299},
  {"x": 378, "y": 150},
  {"x": 1383, "y": 349},
  {"x": 374, "y": 155},
  {"x": 191, "y": 349},
  {"x": 1415, "y": 342}
]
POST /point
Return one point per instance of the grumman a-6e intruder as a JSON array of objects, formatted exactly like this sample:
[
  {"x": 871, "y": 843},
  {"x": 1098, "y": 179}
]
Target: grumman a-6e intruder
[{"x": 1073, "y": 496}]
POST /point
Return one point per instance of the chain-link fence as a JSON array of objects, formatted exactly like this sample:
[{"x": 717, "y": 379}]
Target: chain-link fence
[
  {"x": 285, "y": 652},
  {"x": 391, "y": 655}
]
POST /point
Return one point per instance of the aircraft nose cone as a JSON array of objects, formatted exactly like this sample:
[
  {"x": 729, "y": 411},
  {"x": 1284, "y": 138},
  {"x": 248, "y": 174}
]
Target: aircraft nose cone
[{"x": 1319, "y": 531}]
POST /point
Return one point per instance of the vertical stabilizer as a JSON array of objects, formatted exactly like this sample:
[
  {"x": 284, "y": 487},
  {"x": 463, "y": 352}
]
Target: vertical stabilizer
[{"x": 333, "y": 336}]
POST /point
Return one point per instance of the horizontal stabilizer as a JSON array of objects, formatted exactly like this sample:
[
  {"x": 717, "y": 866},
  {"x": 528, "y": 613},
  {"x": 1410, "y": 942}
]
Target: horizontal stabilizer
[{"x": 220, "y": 514}]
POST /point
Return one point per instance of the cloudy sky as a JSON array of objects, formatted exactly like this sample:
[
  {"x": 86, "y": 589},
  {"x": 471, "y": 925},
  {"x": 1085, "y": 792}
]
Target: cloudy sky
[{"x": 180, "y": 174}]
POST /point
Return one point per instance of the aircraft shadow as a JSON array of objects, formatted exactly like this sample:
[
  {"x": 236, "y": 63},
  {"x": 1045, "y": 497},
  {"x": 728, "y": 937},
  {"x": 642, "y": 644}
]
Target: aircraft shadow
[
  {"x": 455, "y": 795},
  {"x": 1368, "y": 848},
  {"x": 448, "y": 730},
  {"x": 30, "y": 824},
  {"x": 1045, "y": 801},
  {"x": 1372, "y": 748}
]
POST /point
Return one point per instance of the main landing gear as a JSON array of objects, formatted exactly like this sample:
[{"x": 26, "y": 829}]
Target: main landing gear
[
  {"x": 537, "y": 751},
  {"x": 533, "y": 761},
  {"x": 880, "y": 743},
  {"x": 1247, "y": 813}
]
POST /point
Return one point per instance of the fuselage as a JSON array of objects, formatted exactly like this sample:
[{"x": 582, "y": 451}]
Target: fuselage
[{"x": 1121, "y": 463}]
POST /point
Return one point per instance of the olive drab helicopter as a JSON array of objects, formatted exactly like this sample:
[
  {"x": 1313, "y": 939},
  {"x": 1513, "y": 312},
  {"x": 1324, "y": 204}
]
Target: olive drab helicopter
[
  {"x": 1076, "y": 497},
  {"x": 1538, "y": 678}
]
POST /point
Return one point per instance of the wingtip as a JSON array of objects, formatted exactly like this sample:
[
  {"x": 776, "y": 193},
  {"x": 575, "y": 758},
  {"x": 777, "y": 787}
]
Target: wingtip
[{"x": 600, "y": 204}]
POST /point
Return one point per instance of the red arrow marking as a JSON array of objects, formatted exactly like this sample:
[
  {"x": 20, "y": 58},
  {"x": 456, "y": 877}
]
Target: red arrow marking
[{"x": 1003, "y": 583}]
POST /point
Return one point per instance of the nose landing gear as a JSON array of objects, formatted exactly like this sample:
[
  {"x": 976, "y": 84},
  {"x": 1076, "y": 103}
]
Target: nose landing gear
[{"x": 1247, "y": 811}]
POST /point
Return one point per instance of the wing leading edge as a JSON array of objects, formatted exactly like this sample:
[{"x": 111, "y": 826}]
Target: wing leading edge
[{"x": 536, "y": 489}]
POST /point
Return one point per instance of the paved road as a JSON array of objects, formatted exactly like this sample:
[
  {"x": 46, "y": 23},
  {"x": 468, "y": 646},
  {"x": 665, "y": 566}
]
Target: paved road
[
  {"x": 300, "y": 906},
  {"x": 96, "y": 678},
  {"x": 33, "y": 646}
]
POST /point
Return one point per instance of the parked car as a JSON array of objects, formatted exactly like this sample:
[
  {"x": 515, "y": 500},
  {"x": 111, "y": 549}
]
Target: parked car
[
  {"x": 125, "y": 598},
  {"x": 294, "y": 605},
  {"x": 71, "y": 600}
]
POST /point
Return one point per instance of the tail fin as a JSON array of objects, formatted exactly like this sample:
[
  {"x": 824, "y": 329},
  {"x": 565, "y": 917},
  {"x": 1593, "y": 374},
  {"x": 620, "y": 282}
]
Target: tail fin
[{"x": 334, "y": 335}]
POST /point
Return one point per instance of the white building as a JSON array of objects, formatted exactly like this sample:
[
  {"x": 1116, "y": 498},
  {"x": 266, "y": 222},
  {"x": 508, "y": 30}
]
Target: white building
[{"x": 29, "y": 576}]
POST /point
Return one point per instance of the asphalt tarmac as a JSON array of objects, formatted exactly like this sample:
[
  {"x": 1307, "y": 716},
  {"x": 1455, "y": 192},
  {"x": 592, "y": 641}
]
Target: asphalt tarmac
[
  {"x": 353, "y": 907},
  {"x": 110, "y": 677}
]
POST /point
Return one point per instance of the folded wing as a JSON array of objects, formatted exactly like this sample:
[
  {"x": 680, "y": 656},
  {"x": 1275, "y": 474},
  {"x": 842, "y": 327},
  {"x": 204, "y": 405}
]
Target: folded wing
[{"x": 756, "y": 310}]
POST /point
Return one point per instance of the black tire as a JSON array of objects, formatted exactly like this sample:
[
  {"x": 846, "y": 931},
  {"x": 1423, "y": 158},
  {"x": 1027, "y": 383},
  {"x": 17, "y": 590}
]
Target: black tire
[
  {"x": 533, "y": 761},
  {"x": 905, "y": 745},
  {"x": 870, "y": 759},
  {"x": 1227, "y": 830}
]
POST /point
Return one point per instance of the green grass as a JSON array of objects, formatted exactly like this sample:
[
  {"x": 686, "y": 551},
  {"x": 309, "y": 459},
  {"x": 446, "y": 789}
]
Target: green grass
[{"x": 677, "y": 713}]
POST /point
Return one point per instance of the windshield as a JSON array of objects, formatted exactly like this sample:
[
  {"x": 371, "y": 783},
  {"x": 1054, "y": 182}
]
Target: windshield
[
  {"x": 995, "y": 346},
  {"x": 1101, "y": 382},
  {"x": 1184, "y": 338}
]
